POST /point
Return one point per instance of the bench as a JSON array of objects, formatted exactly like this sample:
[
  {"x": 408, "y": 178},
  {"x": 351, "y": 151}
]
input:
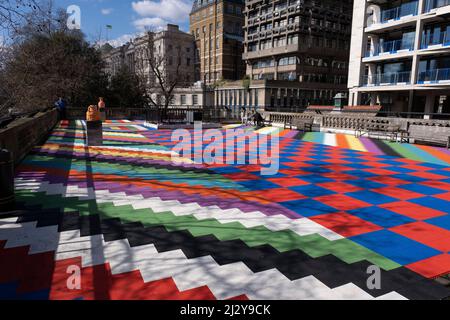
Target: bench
[
  {"x": 430, "y": 134},
  {"x": 379, "y": 129},
  {"x": 302, "y": 124}
]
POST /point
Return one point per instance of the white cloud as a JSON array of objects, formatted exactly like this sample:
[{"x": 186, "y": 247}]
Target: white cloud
[
  {"x": 170, "y": 10},
  {"x": 107, "y": 11},
  {"x": 154, "y": 24}
]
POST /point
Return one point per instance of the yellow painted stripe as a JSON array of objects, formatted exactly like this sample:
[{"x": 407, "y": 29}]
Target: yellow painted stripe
[{"x": 355, "y": 143}]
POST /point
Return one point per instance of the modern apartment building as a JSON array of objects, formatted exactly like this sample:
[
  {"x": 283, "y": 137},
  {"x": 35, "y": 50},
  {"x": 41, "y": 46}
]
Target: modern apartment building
[
  {"x": 400, "y": 55},
  {"x": 217, "y": 26},
  {"x": 296, "y": 53}
]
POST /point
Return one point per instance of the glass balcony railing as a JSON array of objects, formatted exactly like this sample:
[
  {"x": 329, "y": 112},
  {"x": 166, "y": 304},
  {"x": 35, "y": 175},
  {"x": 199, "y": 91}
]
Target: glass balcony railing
[
  {"x": 387, "y": 79},
  {"x": 434, "y": 4},
  {"x": 435, "y": 39},
  {"x": 391, "y": 47},
  {"x": 434, "y": 76},
  {"x": 407, "y": 9}
]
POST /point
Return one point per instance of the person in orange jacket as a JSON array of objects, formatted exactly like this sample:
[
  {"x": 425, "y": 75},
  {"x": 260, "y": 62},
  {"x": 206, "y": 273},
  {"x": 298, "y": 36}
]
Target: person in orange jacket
[{"x": 92, "y": 114}]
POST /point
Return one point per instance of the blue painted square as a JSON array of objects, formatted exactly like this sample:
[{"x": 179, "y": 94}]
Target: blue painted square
[
  {"x": 442, "y": 222},
  {"x": 258, "y": 184},
  {"x": 308, "y": 207},
  {"x": 312, "y": 191},
  {"x": 227, "y": 170},
  {"x": 314, "y": 178},
  {"x": 422, "y": 189},
  {"x": 317, "y": 170},
  {"x": 371, "y": 197},
  {"x": 395, "y": 247},
  {"x": 440, "y": 172},
  {"x": 382, "y": 217},
  {"x": 397, "y": 168},
  {"x": 358, "y": 173},
  {"x": 365, "y": 184},
  {"x": 408, "y": 178},
  {"x": 433, "y": 203}
]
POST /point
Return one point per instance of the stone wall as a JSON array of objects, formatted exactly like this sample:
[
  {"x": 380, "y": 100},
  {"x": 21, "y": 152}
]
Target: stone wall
[{"x": 21, "y": 135}]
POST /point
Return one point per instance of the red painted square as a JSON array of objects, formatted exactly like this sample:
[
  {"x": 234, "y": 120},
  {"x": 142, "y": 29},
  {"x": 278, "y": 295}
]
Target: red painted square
[
  {"x": 277, "y": 195},
  {"x": 342, "y": 202},
  {"x": 345, "y": 224},
  {"x": 381, "y": 172},
  {"x": 294, "y": 172},
  {"x": 412, "y": 210},
  {"x": 416, "y": 167},
  {"x": 444, "y": 196},
  {"x": 432, "y": 267},
  {"x": 428, "y": 175},
  {"x": 427, "y": 234},
  {"x": 376, "y": 164},
  {"x": 398, "y": 193},
  {"x": 338, "y": 176},
  {"x": 436, "y": 184},
  {"x": 288, "y": 182},
  {"x": 339, "y": 187},
  {"x": 390, "y": 181},
  {"x": 241, "y": 176}
]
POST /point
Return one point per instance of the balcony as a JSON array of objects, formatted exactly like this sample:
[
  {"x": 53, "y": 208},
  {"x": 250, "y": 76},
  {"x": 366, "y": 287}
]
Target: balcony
[
  {"x": 432, "y": 5},
  {"x": 433, "y": 41},
  {"x": 405, "y": 10},
  {"x": 387, "y": 79},
  {"x": 394, "y": 16},
  {"x": 390, "y": 47},
  {"x": 434, "y": 76}
]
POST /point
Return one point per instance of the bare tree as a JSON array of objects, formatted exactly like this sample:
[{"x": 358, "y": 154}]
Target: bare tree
[
  {"x": 160, "y": 70},
  {"x": 14, "y": 13}
]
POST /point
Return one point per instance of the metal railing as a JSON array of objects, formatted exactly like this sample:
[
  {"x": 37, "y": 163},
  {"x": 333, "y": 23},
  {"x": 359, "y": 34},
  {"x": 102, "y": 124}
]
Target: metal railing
[
  {"x": 434, "y": 76},
  {"x": 397, "y": 13},
  {"x": 434, "y": 4},
  {"x": 391, "y": 47},
  {"x": 385, "y": 79},
  {"x": 443, "y": 38}
]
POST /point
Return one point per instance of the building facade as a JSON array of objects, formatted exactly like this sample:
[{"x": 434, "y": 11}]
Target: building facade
[
  {"x": 217, "y": 26},
  {"x": 400, "y": 55},
  {"x": 173, "y": 50},
  {"x": 296, "y": 54}
]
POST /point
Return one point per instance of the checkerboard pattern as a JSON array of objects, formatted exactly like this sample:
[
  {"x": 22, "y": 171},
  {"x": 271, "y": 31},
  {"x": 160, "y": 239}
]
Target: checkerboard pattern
[{"x": 141, "y": 226}]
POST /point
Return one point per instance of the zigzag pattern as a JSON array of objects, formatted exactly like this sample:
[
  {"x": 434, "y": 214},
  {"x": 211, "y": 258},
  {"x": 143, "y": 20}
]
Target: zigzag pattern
[{"x": 125, "y": 212}]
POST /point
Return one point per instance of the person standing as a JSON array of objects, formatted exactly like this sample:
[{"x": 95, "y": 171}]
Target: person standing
[
  {"x": 102, "y": 108},
  {"x": 60, "y": 105}
]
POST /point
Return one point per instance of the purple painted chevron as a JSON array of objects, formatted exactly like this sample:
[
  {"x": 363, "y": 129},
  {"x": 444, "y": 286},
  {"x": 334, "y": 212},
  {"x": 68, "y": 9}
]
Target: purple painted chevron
[{"x": 204, "y": 201}]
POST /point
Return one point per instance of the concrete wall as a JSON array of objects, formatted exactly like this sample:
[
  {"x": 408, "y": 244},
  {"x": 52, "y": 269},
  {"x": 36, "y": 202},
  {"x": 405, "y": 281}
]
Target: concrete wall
[{"x": 22, "y": 135}]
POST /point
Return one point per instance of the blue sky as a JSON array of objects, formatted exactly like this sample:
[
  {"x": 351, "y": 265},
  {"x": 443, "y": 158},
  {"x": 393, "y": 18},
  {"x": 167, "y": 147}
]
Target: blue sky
[{"x": 128, "y": 17}]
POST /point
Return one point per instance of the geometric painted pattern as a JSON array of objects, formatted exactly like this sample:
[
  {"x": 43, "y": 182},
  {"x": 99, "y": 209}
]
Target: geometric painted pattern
[{"x": 126, "y": 214}]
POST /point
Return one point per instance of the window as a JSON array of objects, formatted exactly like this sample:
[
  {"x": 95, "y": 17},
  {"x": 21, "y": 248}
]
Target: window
[
  {"x": 194, "y": 99},
  {"x": 238, "y": 10},
  {"x": 217, "y": 43},
  {"x": 183, "y": 99},
  {"x": 188, "y": 61}
]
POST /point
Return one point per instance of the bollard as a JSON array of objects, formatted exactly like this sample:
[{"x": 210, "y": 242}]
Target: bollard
[
  {"x": 6, "y": 181},
  {"x": 94, "y": 133}
]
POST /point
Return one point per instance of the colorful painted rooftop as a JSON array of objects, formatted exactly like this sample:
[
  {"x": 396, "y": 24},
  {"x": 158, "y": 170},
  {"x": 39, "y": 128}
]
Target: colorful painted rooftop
[{"x": 139, "y": 226}]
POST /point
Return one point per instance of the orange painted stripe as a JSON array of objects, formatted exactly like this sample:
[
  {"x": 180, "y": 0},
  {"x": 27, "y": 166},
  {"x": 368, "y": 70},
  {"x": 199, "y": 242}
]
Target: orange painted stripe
[{"x": 341, "y": 141}]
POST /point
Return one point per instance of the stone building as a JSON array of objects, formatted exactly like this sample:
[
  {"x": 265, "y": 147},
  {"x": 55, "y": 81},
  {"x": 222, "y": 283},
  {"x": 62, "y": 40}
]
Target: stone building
[
  {"x": 172, "y": 47},
  {"x": 217, "y": 26},
  {"x": 296, "y": 54}
]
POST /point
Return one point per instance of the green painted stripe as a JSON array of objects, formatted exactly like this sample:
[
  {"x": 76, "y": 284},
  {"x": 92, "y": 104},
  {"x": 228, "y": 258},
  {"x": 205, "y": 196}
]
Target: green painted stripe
[{"x": 286, "y": 240}]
